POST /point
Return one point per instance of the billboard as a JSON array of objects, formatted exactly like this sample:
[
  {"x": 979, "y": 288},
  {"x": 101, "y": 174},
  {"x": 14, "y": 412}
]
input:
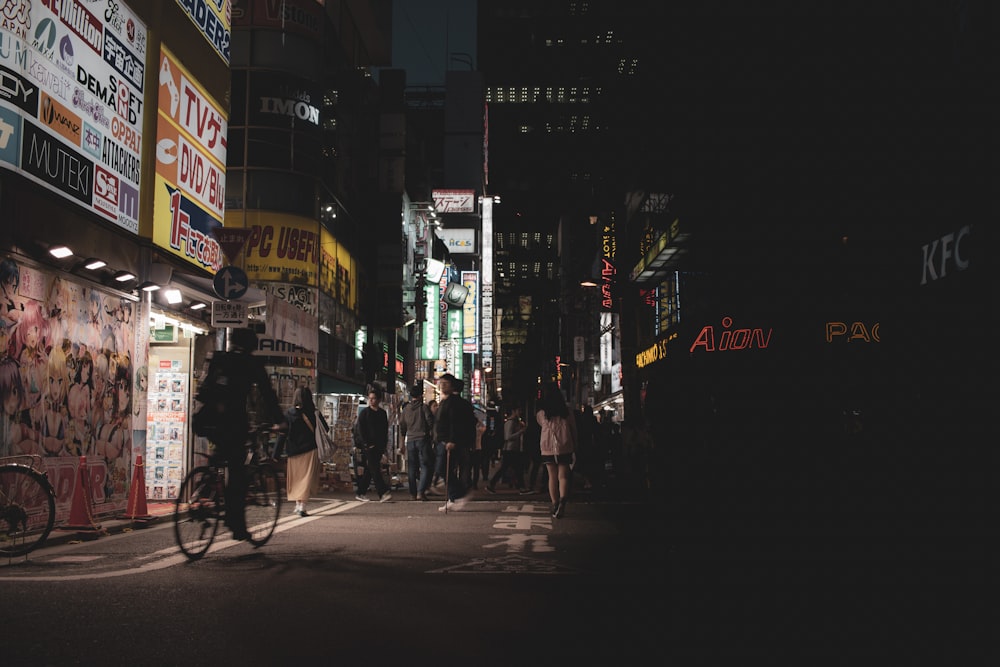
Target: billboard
[
  {"x": 72, "y": 84},
  {"x": 213, "y": 18},
  {"x": 189, "y": 197}
]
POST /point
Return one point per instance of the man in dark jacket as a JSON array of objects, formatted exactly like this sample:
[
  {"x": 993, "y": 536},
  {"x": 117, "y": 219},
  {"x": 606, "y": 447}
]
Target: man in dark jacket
[
  {"x": 373, "y": 425},
  {"x": 455, "y": 426}
]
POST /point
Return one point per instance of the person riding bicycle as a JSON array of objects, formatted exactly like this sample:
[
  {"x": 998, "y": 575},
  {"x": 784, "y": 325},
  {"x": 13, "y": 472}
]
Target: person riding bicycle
[{"x": 229, "y": 382}]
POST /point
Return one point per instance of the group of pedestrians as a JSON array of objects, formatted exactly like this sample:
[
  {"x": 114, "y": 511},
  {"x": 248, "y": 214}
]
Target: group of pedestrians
[{"x": 440, "y": 439}]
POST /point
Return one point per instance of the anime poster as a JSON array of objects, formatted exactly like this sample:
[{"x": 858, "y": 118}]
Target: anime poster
[{"x": 66, "y": 380}]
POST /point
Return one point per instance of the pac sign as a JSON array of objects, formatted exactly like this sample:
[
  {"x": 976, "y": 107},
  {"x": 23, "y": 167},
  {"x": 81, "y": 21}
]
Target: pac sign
[{"x": 230, "y": 282}]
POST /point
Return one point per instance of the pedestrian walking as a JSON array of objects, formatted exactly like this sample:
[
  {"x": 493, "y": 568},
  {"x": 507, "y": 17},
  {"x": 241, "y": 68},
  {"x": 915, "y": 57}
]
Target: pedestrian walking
[
  {"x": 373, "y": 426},
  {"x": 455, "y": 427},
  {"x": 512, "y": 454},
  {"x": 303, "y": 468},
  {"x": 416, "y": 424},
  {"x": 557, "y": 442}
]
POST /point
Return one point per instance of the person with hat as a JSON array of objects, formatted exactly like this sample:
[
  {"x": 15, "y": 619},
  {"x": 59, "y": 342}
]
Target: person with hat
[
  {"x": 455, "y": 426},
  {"x": 416, "y": 424}
]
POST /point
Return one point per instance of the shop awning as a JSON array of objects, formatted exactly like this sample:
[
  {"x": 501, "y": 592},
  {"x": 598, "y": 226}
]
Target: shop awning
[{"x": 331, "y": 385}]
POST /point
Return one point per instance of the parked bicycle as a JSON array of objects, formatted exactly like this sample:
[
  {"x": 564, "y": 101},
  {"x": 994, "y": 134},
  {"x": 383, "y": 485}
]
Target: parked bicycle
[
  {"x": 200, "y": 506},
  {"x": 27, "y": 504}
]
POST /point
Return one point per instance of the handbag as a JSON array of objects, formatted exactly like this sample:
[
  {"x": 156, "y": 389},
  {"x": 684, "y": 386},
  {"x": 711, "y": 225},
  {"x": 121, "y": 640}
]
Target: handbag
[{"x": 324, "y": 446}]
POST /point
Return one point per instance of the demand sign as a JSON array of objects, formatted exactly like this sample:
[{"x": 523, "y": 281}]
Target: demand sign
[{"x": 72, "y": 84}]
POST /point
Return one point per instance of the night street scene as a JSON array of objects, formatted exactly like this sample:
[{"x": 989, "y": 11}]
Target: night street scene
[{"x": 638, "y": 331}]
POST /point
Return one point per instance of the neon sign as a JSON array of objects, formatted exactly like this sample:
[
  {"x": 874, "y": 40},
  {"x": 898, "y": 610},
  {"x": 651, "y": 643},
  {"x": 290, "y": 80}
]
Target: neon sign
[
  {"x": 735, "y": 339},
  {"x": 858, "y": 331}
]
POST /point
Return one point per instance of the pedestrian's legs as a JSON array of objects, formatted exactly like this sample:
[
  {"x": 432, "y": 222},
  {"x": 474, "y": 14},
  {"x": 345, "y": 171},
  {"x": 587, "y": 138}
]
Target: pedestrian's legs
[
  {"x": 413, "y": 465},
  {"x": 498, "y": 475},
  {"x": 564, "y": 477},
  {"x": 518, "y": 465},
  {"x": 365, "y": 478},
  {"x": 440, "y": 461},
  {"x": 425, "y": 454},
  {"x": 550, "y": 468},
  {"x": 460, "y": 473},
  {"x": 373, "y": 456}
]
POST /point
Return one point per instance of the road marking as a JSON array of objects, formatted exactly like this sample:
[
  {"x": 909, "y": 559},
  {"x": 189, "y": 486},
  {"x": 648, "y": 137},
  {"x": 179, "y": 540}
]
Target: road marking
[
  {"x": 172, "y": 555},
  {"x": 510, "y": 564},
  {"x": 74, "y": 559}
]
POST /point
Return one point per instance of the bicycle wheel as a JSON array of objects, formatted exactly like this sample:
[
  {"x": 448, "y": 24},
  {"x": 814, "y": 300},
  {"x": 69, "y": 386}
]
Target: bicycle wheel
[
  {"x": 263, "y": 503},
  {"x": 27, "y": 509},
  {"x": 197, "y": 512}
]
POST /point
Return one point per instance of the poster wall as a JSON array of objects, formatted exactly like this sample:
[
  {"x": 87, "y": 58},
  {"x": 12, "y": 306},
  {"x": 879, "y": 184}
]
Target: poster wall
[{"x": 66, "y": 380}]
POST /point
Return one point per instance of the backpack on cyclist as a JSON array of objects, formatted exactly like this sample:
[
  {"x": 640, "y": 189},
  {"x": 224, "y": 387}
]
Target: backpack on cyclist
[{"x": 223, "y": 404}]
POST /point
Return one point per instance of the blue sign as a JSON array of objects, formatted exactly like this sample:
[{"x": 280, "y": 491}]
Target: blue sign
[{"x": 231, "y": 282}]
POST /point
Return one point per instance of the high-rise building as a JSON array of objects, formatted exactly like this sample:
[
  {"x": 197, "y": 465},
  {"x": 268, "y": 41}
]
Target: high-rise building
[{"x": 572, "y": 90}]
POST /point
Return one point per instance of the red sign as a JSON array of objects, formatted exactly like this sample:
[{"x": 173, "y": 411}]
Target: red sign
[{"x": 231, "y": 240}]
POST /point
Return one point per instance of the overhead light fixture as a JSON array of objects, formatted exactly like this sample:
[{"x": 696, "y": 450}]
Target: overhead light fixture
[
  {"x": 197, "y": 305},
  {"x": 149, "y": 286},
  {"x": 93, "y": 264},
  {"x": 124, "y": 276},
  {"x": 60, "y": 251},
  {"x": 173, "y": 296}
]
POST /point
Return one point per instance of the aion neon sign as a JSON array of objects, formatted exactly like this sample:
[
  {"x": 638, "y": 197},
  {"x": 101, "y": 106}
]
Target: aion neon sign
[{"x": 731, "y": 339}]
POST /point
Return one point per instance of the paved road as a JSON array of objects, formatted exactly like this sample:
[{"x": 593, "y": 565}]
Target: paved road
[{"x": 503, "y": 583}]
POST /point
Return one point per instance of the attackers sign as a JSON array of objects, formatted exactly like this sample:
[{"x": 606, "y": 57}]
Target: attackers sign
[{"x": 229, "y": 314}]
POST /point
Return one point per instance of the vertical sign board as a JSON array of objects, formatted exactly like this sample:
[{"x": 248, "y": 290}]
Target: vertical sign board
[
  {"x": 486, "y": 305},
  {"x": 455, "y": 336},
  {"x": 470, "y": 313},
  {"x": 72, "y": 84},
  {"x": 430, "y": 331},
  {"x": 189, "y": 198}
]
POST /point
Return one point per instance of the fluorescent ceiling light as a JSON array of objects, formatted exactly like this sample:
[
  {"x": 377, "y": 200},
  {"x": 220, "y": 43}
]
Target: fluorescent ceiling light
[
  {"x": 60, "y": 251},
  {"x": 124, "y": 276},
  {"x": 149, "y": 287},
  {"x": 93, "y": 264},
  {"x": 173, "y": 295},
  {"x": 197, "y": 305}
]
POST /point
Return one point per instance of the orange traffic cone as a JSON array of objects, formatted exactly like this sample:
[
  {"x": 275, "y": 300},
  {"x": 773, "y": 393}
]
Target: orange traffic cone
[
  {"x": 137, "y": 510},
  {"x": 81, "y": 516}
]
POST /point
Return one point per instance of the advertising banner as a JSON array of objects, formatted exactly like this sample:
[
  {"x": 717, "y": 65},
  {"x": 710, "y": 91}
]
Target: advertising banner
[
  {"x": 213, "y": 19},
  {"x": 67, "y": 381},
  {"x": 189, "y": 198},
  {"x": 470, "y": 313},
  {"x": 71, "y": 90},
  {"x": 281, "y": 247}
]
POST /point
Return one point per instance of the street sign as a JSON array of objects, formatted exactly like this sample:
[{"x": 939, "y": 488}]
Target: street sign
[
  {"x": 231, "y": 240},
  {"x": 231, "y": 282},
  {"x": 229, "y": 314}
]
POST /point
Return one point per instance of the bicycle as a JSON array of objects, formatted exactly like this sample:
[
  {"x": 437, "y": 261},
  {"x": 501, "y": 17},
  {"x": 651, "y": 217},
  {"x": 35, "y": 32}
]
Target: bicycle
[
  {"x": 27, "y": 504},
  {"x": 200, "y": 506}
]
